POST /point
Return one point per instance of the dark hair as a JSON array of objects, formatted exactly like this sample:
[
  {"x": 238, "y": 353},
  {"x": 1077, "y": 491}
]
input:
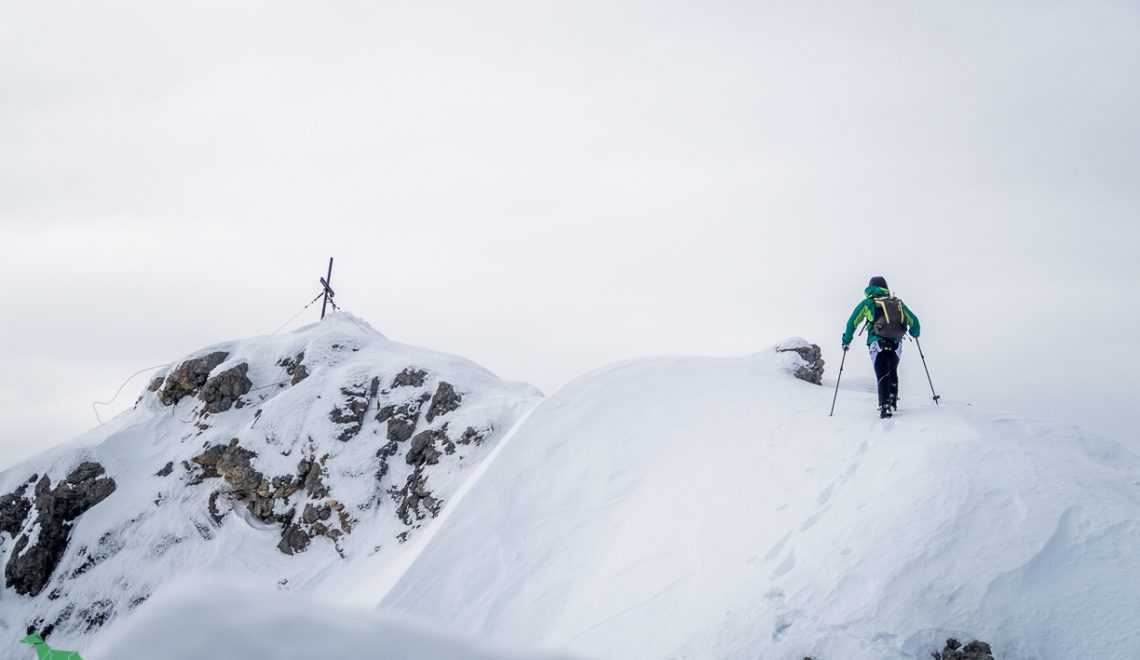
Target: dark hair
[{"x": 879, "y": 281}]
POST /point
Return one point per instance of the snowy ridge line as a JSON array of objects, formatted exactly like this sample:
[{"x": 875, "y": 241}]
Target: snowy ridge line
[
  {"x": 709, "y": 509},
  {"x": 401, "y": 565}
]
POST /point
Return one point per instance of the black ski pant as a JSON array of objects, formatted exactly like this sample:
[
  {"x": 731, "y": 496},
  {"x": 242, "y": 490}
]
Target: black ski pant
[{"x": 887, "y": 371}]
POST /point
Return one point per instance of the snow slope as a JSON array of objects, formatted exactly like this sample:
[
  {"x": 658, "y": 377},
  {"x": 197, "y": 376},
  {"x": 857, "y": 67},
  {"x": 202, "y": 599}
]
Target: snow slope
[
  {"x": 700, "y": 508},
  {"x": 197, "y": 618},
  {"x": 298, "y": 484}
]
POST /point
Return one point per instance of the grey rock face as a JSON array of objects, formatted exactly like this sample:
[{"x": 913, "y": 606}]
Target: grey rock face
[
  {"x": 294, "y": 367},
  {"x": 14, "y": 510},
  {"x": 409, "y": 378},
  {"x": 261, "y": 495},
  {"x": 812, "y": 370},
  {"x": 352, "y": 410},
  {"x": 473, "y": 436},
  {"x": 31, "y": 565},
  {"x": 445, "y": 400},
  {"x": 223, "y": 390},
  {"x": 973, "y": 651},
  {"x": 414, "y": 502},
  {"x": 402, "y": 419},
  {"x": 424, "y": 450},
  {"x": 189, "y": 377}
]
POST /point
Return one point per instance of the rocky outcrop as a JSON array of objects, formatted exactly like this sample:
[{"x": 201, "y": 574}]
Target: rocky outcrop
[
  {"x": 32, "y": 562},
  {"x": 294, "y": 367},
  {"x": 402, "y": 418},
  {"x": 812, "y": 368},
  {"x": 445, "y": 400},
  {"x": 973, "y": 651},
  {"x": 224, "y": 390},
  {"x": 473, "y": 436},
  {"x": 268, "y": 499},
  {"x": 188, "y": 378},
  {"x": 414, "y": 502},
  {"x": 350, "y": 413},
  {"x": 409, "y": 378},
  {"x": 425, "y": 450},
  {"x": 14, "y": 510}
]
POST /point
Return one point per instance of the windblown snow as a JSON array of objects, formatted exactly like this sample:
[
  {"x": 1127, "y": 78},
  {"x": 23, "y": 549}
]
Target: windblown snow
[
  {"x": 661, "y": 509},
  {"x": 705, "y": 508}
]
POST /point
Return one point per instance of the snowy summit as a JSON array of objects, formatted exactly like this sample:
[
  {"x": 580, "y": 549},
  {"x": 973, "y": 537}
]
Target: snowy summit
[
  {"x": 696, "y": 508},
  {"x": 282, "y": 459}
]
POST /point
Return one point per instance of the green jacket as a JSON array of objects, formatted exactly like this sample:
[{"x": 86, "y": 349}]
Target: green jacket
[{"x": 865, "y": 311}]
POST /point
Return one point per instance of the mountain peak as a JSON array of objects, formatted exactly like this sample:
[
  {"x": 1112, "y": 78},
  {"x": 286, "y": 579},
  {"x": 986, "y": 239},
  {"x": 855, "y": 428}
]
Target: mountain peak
[{"x": 307, "y": 450}]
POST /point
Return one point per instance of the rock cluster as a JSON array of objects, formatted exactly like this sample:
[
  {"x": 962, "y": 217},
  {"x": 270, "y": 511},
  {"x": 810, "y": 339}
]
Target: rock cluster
[
  {"x": 812, "y": 369},
  {"x": 188, "y": 378},
  {"x": 32, "y": 563},
  {"x": 973, "y": 651},
  {"x": 261, "y": 495},
  {"x": 14, "y": 509},
  {"x": 225, "y": 389},
  {"x": 402, "y": 418},
  {"x": 294, "y": 367},
  {"x": 353, "y": 408},
  {"x": 409, "y": 378},
  {"x": 445, "y": 400}
]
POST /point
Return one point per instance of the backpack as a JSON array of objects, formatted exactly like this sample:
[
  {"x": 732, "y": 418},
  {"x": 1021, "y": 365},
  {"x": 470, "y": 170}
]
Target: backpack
[{"x": 890, "y": 319}]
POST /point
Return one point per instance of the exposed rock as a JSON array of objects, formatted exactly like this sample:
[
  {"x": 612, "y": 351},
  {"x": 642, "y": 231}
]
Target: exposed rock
[
  {"x": 261, "y": 495},
  {"x": 223, "y": 390},
  {"x": 31, "y": 564},
  {"x": 293, "y": 540},
  {"x": 189, "y": 377},
  {"x": 357, "y": 400},
  {"x": 409, "y": 378},
  {"x": 812, "y": 369},
  {"x": 973, "y": 651},
  {"x": 445, "y": 400},
  {"x": 155, "y": 383},
  {"x": 414, "y": 501},
  {"x": 402, "y": 419},
  {"x": 423, "y": 449},
  {"x": 166, "y": 470},
  {"x": 384, "y": 453},
  {"x": 472, "y": 436},
  {"x": 313, "y": 514},
  {"x": 14, "y": 510},
  {"x": 294, "y": 368}
]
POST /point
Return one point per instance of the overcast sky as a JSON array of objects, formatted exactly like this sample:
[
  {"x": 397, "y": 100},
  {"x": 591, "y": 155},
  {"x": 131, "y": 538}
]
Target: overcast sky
[{"x": 547, "y": 187}]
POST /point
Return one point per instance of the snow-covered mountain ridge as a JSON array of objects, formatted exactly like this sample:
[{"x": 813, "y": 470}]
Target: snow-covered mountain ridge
[
  {"x": 286, "y": 458},
  {"x": 708, "y": 508},
  {"x": 667, "y": 508}
]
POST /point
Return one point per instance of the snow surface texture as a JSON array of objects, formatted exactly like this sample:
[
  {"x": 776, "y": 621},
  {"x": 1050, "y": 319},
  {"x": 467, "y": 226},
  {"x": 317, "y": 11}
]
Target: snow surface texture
[
  {"x": 208, "y": 618},
  {"x": 704, "y": 508},
  {"x": 314, "y": 494}
]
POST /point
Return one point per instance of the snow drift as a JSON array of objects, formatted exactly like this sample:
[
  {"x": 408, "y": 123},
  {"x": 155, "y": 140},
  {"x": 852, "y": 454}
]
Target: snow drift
[
  {"x": 709, "y": 508},
  {"x": 201, "y": 618}
]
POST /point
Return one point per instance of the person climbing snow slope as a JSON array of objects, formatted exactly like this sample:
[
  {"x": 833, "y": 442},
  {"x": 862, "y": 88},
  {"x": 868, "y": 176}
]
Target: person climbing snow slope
[{"x": 888, "y": 320}]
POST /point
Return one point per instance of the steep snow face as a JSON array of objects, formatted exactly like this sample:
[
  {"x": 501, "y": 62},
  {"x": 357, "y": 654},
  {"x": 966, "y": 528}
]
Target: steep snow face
[
  {"x": 192, "y": 620},
  {"x": 710, "y": 508},
  {"x": 289, "y": 459}
]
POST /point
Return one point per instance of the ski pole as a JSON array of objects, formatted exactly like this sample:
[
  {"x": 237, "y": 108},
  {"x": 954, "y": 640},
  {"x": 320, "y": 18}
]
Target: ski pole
[
  {"x": 836, "y": 395},
  {"x": 936, "y": 397}
]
